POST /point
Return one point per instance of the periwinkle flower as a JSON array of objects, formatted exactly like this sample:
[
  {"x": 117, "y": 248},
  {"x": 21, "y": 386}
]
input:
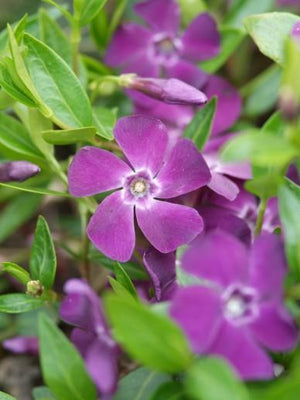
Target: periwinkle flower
[
  {"x": 161, "y": 48},
  {"x": 141, "y": 186},
  {"x": 17, "y": 171},
  {"x": 171, "y": 91},
  {"x": 238, "y": 313},
  {"x": 83, "y": 309},
  {"x": 22, "y": 344}
]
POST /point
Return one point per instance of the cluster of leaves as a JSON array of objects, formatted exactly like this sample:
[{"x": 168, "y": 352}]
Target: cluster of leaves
[{"x": 51, "y": 89}]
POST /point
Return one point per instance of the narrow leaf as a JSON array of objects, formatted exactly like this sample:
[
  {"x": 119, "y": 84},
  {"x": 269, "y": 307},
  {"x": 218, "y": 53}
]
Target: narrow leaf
[
  {"x": 15, "y": 303},
  {"x": 198, "y": 130},
  {"x": 43, "y": 257},
  {"x": 90, "y": 10},
  {"x": 70, "y": 136},
  {"x": 16, "y": 271},
  {"x": 123, "y": 278},
  {"x": 63, "y": 371}
]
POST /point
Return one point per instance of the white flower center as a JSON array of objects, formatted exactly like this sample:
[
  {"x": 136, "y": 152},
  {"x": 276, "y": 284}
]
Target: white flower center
[
  {"x": 139, "y": 187},
  {"x": 235, "y": 307}
]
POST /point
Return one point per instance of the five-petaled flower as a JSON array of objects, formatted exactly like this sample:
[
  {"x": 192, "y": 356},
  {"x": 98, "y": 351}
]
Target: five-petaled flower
[
  {"x": 238, "y": 311},
  {"x": 149, "y": 178}
]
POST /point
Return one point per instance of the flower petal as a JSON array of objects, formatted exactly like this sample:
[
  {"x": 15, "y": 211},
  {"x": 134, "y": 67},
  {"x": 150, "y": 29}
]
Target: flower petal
[
  {"x": 229, "y": 103},
  {"x": 94, "y": 171},
  {"x": 201, "y": 40},
  {"x": 162, "y": 16},
  {"x": 129, "y": 42},
  {"x": 142, "y": 66},
  {"x": 184, "y": 171},
  {"x": 168, "y": 226},
  {"x": 223, "y": 186},
  {"x": 188, "y": 73},
  {"x": 143, "y": 141},
  {"x": 111, "y": 228},
  {"x": 82, "y": 340},
  {"x": 217, "y": 257},
  {"x": 236, "y": 346},
  {"x": 198, "y": 311},
  {"x": 161, "y": 269},
  {"x": 101, "y": 362},
  {"x": 267, "y": 260},
  {"x": 274, "y": 328}
]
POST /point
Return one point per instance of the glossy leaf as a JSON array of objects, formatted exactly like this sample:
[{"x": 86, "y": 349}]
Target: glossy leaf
[
  {"x": 289, "y": 210},
  {"x": 243, "y": 8},
  {"x": 104, "y": 120},
  {"x": 70, "y": 136},
  {"x": 198, "y": 130},
  {"x": 14, "y": 136},
  {"x": 270, "y": 32},
  {"x": 140, "y": 384},
  {"x": 15, "y": 303},
  {"x": 90, "y": 9},
  {"x": 231, "y": 38},
  {"x": 157, "y": 342},
  {"x": 16, "y": 271},
  {"x": 57, "y": 85},
  {"x": 43, "y": 257},
  {"x": 123, "y": 278},
  {"x": 17, "y": 212},
  {"x": 213, "y": 379},
  {"x": 63, "y": 371}
]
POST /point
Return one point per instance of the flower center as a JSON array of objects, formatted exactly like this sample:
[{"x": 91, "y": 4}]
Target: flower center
[
  {"x": 166, "y": 46},
  {"x": 240, "y": 304},
  {"x": 139, "y": 187},
  {"x": 164, "y": 49}
]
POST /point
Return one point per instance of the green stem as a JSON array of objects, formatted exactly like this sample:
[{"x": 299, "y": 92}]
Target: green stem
[
  {"x": 75, "y": 39},
  {"x": 85, "y": 267},
  {"x": 260, "y": 216}
]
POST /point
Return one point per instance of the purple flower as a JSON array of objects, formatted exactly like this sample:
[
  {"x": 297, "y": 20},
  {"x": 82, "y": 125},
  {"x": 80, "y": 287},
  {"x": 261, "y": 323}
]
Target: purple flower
[
  {"x": 160, "y": 47},
  {"x": 161, "y": 270},
  {"x": 22, "y": 344},
  {"x": 238, "y": 312},
  {"x": 142, "y": 185},
  {"x": 82, "y": 308},
  {"x": 17, "y": 171},
  {"x": 171, "y": 91}
]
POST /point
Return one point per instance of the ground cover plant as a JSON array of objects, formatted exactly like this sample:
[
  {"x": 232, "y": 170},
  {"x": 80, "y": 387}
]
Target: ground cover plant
[{"x": 150, "y": 200}]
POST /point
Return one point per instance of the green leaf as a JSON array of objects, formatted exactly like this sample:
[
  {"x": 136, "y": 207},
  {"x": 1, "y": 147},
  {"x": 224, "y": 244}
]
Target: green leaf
[
  {"x": 42, "y": 393},
  {"x": 242, "y": 8},
  {"x": 266, "y": 185},
  {"x": 16, "y": 271},
  {"x": 57, "y": 85},
  {"x": 157, "y": 342},
  {"x": 270, "y": 32},
  {"x": 15, "y": 303},
  {"x": 18, "y": 211},
  {"x": 262, "y": 92},
  {"x": 123, "y": 278},
  {"x": 104, "y": 120},
  {"x": 198, "y": 130},
  {"x": 289, "y": 210},
  {"x": 169, "y": 391},
  {"x": 5, "y": 396},
  {"x": 43, "y": 257},
  {"x": 14, "y": 136},
  {"x": 213, "y": 379},
  {"x": 62, "y": 366},
  {"x": 190, "y": 10},
  {"x": 230, "y": 40},
  {"x": 140, "y": 384},
  {"x": 291, "y": 67},
  {"x": 36, "y": 190},
  {"x": 262, "y": 149},
  {"x": 90, "y": 9},
  {"x": 70, "y": 136}
]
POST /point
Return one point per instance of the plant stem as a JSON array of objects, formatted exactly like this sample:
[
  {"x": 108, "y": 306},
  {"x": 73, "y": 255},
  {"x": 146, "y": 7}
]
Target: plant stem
[
  {"x": 85, "y": 267},
  {"x": 260, "y": 216}
]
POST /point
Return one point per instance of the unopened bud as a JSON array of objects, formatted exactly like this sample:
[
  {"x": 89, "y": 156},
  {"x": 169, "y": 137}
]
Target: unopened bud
[
  {"x": 288, "y": 104},
  {"x": 35, "y": 288},
  {"x": 171, "y": 91},
  {"x": 17, "y": 171}
]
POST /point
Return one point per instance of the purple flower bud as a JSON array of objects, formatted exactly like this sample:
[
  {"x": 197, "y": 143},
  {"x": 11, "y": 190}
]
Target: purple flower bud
[
  {"x": 17, "y": 171},
  {"x": 171, "y": 91}
]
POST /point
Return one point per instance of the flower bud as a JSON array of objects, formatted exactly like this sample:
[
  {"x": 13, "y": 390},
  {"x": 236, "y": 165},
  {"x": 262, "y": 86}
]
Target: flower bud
[
  {"x": 17, "y": 171},
  {"x": 35, "y": 288},
  {"x": 171, "y": 91}
]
